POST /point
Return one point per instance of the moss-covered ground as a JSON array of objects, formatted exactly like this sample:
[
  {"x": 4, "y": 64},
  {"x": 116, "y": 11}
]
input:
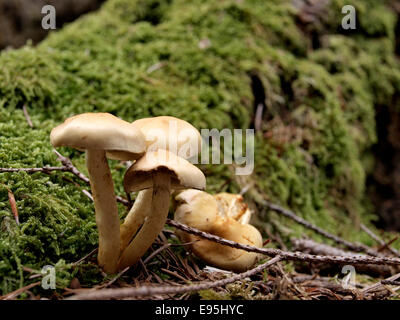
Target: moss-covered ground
[{"x": 313, "y": 154}]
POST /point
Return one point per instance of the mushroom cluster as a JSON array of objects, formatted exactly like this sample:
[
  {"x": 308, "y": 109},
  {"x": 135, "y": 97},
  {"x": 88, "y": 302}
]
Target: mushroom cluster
[{"x": 161, "y": 149}]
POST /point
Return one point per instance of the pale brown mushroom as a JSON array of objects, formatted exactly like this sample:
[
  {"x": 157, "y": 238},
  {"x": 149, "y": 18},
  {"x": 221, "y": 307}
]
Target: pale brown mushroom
[
  {"x": 167, "y": 133},
  {"x": 161, "y": 171},
  {"x": 172, "y": 134},
  {"x": 202, "y": 211},
  {"x": 102, "y": 135}
]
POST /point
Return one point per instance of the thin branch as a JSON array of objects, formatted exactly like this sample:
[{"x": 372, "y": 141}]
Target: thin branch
[
  {"x": 155, "y": 67},
  {"x": 173, "y": 273},
  {"x": 87, "y": 256},
  {"x": 313, "y": 247},
  {"x": 17, "y": 292},
  {"x": 71, "y": 168},
  {"x": 87, "y": 194},
  {"x": 162, "y": 290},
  {"x": 33, "y": 170},
  {"x": 308, "y": 245},
  {"x": 13, "y": 205},
  {"x": 258, "y": 117},
  {"x": 164, "y": 247},
  {"x": 68, "y": 167},
  {"x": 109, "y": 283},
  {"x": 379, "y": 284},
  {"x": 358, "y": 247},
  {"x": 27, "y": 117},
  {"x": 392, "y": 283},
  {"x": 334, "y": 287},
  {"x": 379, "y": 240},
  {"x": 156, "y": 252},
  {"x": 287, "y": 255}
]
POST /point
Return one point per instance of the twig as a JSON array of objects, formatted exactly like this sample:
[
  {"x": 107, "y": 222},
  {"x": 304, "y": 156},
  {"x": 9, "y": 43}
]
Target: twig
[
  {"x": 174, "y": 274},
  {"x": 71, "y": 168},
  {"x": 87, "y": 256},
  {"x": 27, "y": 117},
  {"x": 164, "y": 247},
  {"x": 155, "y": 67},
  {"x": 391, "y": 282},
  {"x": 13, "y": 205},
  {"x": 156, "y": 252},
  {"x": 290, "y": 282},
  {"x": 390, "y": 242},
  {"x": 258, "y": 117},
  {"x": 109, "y": 283},
  {"x": 155, "y": 290},
  {"x": 68, "y": 167},
  {"x": 245, "y": 189},
  {"x": 379, "y": 240},
  {"x": 87, "y": 194},
  {"x": 379, "y": 284},
  {"x": 17, "y": 292},
  {"x": 358, "y": 247},
  {"x": 287, "y": 255},
  {"x": 321, "y": 248},
  {"x": 310, "y": 246},
  {"x": 33, "y": 170},
  {"x": 335, "y": 287},
  {"x": 304, "y": 280}
]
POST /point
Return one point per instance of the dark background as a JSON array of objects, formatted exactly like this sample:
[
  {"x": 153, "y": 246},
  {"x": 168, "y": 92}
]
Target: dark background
[{"x": 20, "y": 20}]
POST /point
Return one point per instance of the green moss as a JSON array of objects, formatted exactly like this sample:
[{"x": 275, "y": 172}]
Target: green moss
[{"x": 314, "y": 157}]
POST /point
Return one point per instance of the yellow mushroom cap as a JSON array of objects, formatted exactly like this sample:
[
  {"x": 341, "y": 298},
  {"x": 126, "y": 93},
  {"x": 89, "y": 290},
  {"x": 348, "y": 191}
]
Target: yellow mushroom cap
[
  {"x": 100, "y": 131},
  {"x": 183, "y": 173},
  {"x": 190, "y": 201},
  {"x": 172, "y": 134},
  {"x": 225, "y": 257},
  {"x": 201, "y": 210}
]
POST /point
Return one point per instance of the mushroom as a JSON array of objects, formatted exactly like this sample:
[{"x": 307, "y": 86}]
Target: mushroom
[
  {"x": 172, "y": 134},
  {"x": 167, "y": 133},
  {"x": 234, "y": 206},
  {"x": 202, "y": 211},
  {"x": 161, "y": 171},
  {"x": 102, "y": 135}
]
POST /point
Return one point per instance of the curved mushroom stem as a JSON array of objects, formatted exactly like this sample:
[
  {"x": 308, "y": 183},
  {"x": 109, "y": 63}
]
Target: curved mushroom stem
[
  {"x": 154, "y": 222},
  {"x": 139, "y": 211},
  {"x": 106, "y": 209}
]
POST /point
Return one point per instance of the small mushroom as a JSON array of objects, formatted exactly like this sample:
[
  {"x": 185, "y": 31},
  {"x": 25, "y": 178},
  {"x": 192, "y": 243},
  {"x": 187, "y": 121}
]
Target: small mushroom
[
  {"x": 201, "y": 210},
  {"x": 161, "y": 171},
  {"x": 102, "y": 135},
  {"x": 167, "y": 133}
]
